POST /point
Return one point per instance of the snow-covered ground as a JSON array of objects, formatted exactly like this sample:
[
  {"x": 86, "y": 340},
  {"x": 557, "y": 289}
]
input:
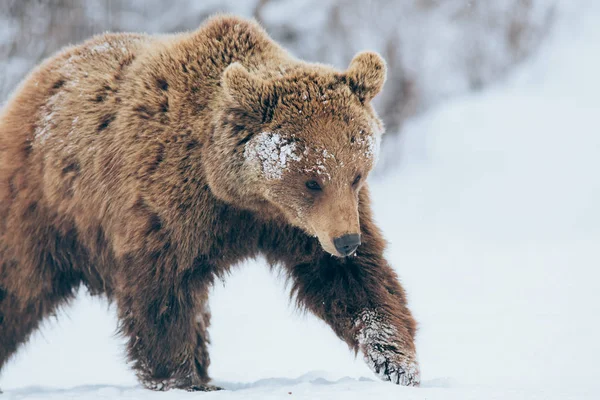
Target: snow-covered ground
[{"x": 493, "y": 219}]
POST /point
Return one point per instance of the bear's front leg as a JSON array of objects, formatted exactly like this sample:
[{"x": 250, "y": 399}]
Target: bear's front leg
[
  {"x": 166, "y": 321},
  {"x": 360, "y": 297}
]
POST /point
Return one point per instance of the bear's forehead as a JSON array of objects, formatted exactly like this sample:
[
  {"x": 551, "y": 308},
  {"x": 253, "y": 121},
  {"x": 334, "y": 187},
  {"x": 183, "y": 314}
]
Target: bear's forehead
[{"x": 275, "y": 153}]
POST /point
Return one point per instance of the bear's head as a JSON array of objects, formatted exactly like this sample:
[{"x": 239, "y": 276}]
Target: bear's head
[{"x": 298, "y": 142}]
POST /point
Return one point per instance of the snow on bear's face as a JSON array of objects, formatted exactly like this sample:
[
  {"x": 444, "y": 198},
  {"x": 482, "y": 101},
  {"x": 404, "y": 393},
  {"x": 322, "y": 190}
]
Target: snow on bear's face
[{"x": 314, "y": 141}]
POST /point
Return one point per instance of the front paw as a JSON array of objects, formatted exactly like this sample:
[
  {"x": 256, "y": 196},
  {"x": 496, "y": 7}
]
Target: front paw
[
  {"x": 190, "y": 384},
  {"x": 394, "y": 367},
  {"x": 388, "y": 353},
  {"x": 168, "y": 384}
]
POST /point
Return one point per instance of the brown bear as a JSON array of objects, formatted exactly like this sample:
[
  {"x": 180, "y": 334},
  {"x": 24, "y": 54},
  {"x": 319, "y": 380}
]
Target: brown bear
[{"x": 144, "y": 167}]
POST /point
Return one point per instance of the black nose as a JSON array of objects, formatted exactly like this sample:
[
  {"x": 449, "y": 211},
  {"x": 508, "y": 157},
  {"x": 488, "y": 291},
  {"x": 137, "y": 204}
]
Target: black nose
[{"x": 347, "y": 244}]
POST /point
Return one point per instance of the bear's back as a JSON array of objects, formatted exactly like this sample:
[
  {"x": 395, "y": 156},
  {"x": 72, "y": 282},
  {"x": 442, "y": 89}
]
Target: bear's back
[
  {"x": 82, "y": 140},
  {"x": 49, "y": 127}
]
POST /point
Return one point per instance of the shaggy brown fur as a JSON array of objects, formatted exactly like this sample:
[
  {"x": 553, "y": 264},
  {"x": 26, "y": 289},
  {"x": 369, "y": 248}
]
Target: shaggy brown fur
[{"x": 144, "y": 167}]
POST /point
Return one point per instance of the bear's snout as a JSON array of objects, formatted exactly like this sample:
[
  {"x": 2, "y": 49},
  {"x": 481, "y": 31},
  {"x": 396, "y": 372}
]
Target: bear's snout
[{"x": 347, "y": 244}]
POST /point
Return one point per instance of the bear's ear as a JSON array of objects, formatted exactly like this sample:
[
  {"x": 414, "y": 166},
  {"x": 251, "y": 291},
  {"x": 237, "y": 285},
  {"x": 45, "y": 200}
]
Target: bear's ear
[
  {"x": 366, "y": 75},
  {"x": 245, "y": 89}
]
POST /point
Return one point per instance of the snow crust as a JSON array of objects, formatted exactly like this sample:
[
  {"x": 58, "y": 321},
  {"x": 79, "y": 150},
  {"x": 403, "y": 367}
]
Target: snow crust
[
  {"x": 272, "y": 153},
  {"x": 371, "y": 144}
]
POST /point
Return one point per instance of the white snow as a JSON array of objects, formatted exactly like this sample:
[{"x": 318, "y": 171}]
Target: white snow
[
  {"x": 46, "y": 122},
  {"x": 493, "y": 217},
  {"x": 319, "y": 167},
  {"x": 271, "y": 153},
  {"x": 371, "y": 145},
  {"x": 101, "y": 47}
]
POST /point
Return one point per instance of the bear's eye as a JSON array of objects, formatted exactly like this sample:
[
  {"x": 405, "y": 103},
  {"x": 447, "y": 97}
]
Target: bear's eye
[
  {"x": 356, "y": 180},
  {"x": 314, "y": 186}
]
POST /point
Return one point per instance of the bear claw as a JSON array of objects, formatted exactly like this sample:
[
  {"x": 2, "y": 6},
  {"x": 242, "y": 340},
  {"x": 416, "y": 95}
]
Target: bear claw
[{"x": 401, "y": 372}]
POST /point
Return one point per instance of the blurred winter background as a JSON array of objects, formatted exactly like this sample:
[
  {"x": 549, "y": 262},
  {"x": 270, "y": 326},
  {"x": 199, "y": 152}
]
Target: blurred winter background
[
  {"x": 488, "y": 192},
  {"x": 435, "y": 48}
]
